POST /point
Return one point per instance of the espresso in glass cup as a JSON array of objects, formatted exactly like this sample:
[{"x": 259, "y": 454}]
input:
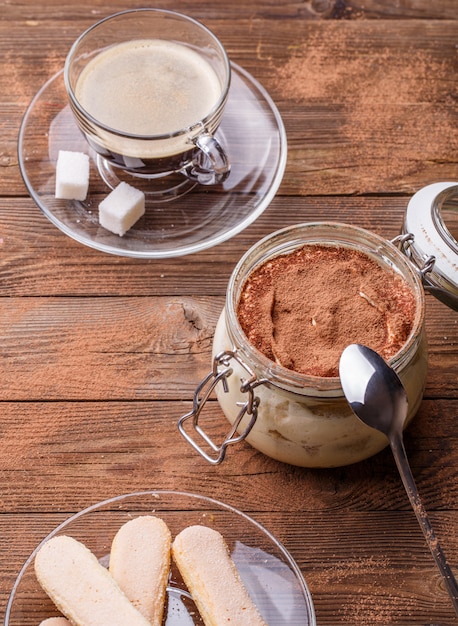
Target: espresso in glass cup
[{"x": 147, "y": 88}]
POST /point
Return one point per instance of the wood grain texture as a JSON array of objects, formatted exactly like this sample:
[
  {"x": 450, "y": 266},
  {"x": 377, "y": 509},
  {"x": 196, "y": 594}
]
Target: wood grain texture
[
  {"x": 306, "y": 9},
  {"x": 97, "y": 348},
  {"x": 392, "y": 134},
  {"x": 100, "y": 355}
]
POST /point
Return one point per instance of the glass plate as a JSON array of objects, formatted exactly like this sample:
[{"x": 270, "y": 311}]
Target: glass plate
[
  {"x": 272, "y": 578},
  {"x": 251, "y": 132}
]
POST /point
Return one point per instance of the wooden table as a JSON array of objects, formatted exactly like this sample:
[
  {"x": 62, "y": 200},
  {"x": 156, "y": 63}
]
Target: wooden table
[{"x": 100, "y": 354}]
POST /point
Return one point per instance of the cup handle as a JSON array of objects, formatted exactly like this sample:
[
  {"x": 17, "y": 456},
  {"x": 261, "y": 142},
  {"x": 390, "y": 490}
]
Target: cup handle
[{"x": 210, "y": 164}]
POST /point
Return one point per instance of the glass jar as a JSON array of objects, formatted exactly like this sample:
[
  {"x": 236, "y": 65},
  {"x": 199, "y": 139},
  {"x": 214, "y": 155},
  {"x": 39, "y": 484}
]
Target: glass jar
[{"x": 295, "y": 418}]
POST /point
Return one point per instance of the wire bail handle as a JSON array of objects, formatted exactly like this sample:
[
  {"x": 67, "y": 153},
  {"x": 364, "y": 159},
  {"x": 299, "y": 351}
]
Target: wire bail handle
[
  {"x": 220, "y": 373},
  {"x": 449, "y": 298},
  {"x": 403, "y": 242}
]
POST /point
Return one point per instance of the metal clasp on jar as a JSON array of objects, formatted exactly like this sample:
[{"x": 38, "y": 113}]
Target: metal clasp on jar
[
  {"x": 219, "y": 374},
  {"x": 404, "y": 242}
]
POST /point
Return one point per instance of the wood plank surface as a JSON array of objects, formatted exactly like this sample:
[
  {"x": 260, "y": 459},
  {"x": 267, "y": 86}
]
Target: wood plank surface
[
  {"x": 394, "y": 133},
  {"x": 101, "y": 354},
  {"x": 146, "y": 347}
]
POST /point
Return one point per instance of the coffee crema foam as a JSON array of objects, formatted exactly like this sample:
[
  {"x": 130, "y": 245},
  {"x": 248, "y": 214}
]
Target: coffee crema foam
[{"x": 148, "y": 87}]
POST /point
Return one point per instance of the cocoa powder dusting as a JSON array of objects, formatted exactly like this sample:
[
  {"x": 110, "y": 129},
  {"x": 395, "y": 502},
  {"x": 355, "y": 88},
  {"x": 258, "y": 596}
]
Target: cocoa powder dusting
[
  {"x": 389, "y": 110},
  {"x": 302, "y": 309}
]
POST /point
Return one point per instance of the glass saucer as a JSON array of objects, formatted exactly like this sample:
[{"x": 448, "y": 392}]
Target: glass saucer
[
  {"x": 251, "y": 132},
  {"x": 269, "y": 573}
]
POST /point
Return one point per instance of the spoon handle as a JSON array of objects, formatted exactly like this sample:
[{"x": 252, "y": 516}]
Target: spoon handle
[{"x": 399, "y": 453}]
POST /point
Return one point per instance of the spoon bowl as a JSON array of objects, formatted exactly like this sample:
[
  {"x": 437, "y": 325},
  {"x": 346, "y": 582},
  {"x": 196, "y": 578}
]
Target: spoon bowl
[
  {"x": 373, "y": 389},
  {"x": 377, "y": 397}
]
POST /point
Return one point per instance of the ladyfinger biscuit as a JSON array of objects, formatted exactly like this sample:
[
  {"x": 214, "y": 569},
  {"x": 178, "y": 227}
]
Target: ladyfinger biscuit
[
  {"x": 82, "y": 589},
  {"x": 55, "y": 621},
  {"x": 140, "y": 564},
  {"x": 203, "y": 559}
]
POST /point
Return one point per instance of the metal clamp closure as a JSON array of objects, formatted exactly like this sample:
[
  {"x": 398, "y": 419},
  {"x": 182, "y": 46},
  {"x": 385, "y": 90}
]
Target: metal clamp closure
[
  {"x": 219, "y": 374},
  {"x": 403, "y": 242}
]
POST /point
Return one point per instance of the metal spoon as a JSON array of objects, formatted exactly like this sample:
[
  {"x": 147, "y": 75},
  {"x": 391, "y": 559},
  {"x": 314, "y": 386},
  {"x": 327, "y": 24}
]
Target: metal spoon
[{"x": 378, "y": 398}]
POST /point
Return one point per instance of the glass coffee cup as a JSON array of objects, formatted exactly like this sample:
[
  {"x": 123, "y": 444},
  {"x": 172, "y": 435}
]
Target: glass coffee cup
[{"x": 147, "y": 88}]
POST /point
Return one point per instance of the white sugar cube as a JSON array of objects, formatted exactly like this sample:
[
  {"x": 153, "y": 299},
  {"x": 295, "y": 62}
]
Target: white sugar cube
[
  {"x": 121, "y": 208},
  {"x": 72, "y": 175}
]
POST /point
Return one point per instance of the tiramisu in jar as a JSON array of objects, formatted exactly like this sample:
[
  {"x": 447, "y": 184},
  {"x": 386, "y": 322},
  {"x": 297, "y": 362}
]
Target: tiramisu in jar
[{"x": 294, "y": 301}]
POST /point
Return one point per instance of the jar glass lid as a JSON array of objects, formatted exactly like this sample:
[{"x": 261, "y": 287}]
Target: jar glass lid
[{"x": 431, "y": 239}]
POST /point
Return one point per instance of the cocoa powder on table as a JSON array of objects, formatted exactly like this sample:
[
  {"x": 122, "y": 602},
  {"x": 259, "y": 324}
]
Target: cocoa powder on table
[
  {"x": 387, "y": 109},
  {"x": 302, "y": 309}
]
